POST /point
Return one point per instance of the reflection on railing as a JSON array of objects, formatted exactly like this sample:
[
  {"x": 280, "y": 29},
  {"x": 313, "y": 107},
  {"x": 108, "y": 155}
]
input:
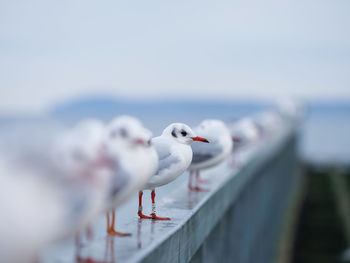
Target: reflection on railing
[{"x": 109, "y": 256}]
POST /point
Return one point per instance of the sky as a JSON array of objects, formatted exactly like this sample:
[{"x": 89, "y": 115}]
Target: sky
[{"x": 51, "y": 51}]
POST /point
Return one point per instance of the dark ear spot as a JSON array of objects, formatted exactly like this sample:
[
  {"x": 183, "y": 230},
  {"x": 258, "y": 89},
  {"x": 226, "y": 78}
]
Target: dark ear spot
[
  {"x": 173, "y": 133},
  {"x": 123, "y": 132}
]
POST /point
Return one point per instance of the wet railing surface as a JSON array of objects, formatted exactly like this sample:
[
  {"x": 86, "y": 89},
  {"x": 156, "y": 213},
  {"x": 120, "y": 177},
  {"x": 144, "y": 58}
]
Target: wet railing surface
[{"x": 237, "y": 220}]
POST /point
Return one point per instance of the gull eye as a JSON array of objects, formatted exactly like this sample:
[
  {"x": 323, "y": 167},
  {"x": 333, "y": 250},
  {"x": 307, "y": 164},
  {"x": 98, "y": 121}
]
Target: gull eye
[
  {"x": 183, "y": 133},
  {"x": 123, "y": 132}
]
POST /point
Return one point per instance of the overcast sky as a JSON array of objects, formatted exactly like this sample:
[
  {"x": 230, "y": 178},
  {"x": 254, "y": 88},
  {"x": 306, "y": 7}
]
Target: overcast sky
[{"x": 54, "y": 50}]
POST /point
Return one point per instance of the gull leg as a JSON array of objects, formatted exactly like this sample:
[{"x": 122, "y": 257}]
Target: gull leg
[
  {"x": 88, "y": 231},
  {"x": 110, "y": 228},
  {"x": 233, "y": 161},
  {"x": 139, "y": 212},
  {"x": 190, "y": 178},
  {"x": 190, "y": 183},
  {"x": 77, "y": 246},
  {"x": 108, "y": 224},
  {"x": 154, "y": 216},
  {"x": 197, "y": 188},
  {"x": 77, "y": 241},
  {"x": 201, "y": 180}
]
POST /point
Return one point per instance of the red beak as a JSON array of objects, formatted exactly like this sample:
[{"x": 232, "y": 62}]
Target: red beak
[
  {"x": 200, "y": 139},
  {"x": 236, "y": 139}
]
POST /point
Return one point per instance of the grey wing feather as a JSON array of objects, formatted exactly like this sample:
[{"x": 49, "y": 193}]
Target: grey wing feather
[
  {"x": 118, "y": 183},
  {"x": 76, "y": 199},
  {"x": 166, "y": 162},
  {"x": 166, "y": 159},
  {"x": 203, "y": 151},
  {"x": 199, "y": 158}
]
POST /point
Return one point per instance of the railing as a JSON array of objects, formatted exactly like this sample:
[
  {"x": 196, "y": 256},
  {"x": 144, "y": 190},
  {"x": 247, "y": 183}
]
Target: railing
[{"x": 238, "y": 220}]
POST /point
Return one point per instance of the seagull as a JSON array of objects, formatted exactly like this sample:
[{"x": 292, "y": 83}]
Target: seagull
[
  {"x": 82, "y": 156},
  {"x": 175, "y": 156},
  {"x": 209, "y": 155},
  {"x": 269, "y": 121},
  {"x": 81, "y": 150},
  {"x": 244, "y": 132},
  {"x": 290, "y": 108},
  {"x": 136, "y": 161},
  {"x": 50, "y": 195},
  {"x": 33, "y": 213}
]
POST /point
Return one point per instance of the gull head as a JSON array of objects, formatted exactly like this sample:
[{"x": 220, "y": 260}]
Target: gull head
[
  {"x": 182, "y": 133},
  {"x": 213, "y": 127},
  {"x": 81, "y": 154},
  {"x": 129, "y": 132},
  {"x": 82, "y": 145}
]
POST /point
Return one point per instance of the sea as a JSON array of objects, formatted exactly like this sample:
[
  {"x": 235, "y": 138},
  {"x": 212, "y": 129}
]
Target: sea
[{"x": 324, "y": 130}]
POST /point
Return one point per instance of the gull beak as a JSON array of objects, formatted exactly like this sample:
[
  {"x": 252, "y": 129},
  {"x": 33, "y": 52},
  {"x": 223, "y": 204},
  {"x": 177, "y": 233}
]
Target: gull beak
[
  {"x": 236, "y": 139},
  {"x": 200, "y": 139}
]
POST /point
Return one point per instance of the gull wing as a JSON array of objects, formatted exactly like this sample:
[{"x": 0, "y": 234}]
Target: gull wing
[
  {"x": 165, "y": 156},
  {"x": 205, "y": 151},
  {"x": 118, "y": 183}
]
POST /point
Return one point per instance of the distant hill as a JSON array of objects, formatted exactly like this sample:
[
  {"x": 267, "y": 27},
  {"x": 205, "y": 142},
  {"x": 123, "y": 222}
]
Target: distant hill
[
  {"x": 86, "y": 105},
  {"x": 102, "y": 106},
  {"x": 330, "y": 107}
]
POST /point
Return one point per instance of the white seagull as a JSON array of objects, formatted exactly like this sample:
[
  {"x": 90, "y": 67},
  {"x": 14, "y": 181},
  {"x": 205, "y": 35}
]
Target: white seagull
[
  {"x": 32, "y": 213},
  {"x": 129, "y": 143},
  {"x": 244, "y": 132},
  {"x": 269, "y": 121},
  {"x": 175, "y": 156},
  {"x": 50, "y": 195},
  {"x": 209, "y": 155},
  {"x": 82, "y": 156},
  {"x": 290, "y": 108}
]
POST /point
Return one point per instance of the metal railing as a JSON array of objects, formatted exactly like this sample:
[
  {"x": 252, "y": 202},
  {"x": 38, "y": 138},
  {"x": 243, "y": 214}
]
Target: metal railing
[{"x": 238, "y": 220}]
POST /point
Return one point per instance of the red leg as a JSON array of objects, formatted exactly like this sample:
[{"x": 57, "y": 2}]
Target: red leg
[
  {"x": 108, "y": 224},
  {"x": 154, "y": 216},
  {"x": 141, "y": 215},
  {"x": 197, "y": 188},
  {"x": 139, "y": 243},
  {"x": 89, "y": 232},
  {"x": 111, "y": 230},
  {"x": 200, "y": 180},
  {"x": 190, "y": 177},
  {"x": 77, "y": 241}
]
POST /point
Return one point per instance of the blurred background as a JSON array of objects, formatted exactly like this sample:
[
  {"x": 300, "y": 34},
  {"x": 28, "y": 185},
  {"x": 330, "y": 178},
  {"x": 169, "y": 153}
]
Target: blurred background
[{"x": 185, "y": 61}]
